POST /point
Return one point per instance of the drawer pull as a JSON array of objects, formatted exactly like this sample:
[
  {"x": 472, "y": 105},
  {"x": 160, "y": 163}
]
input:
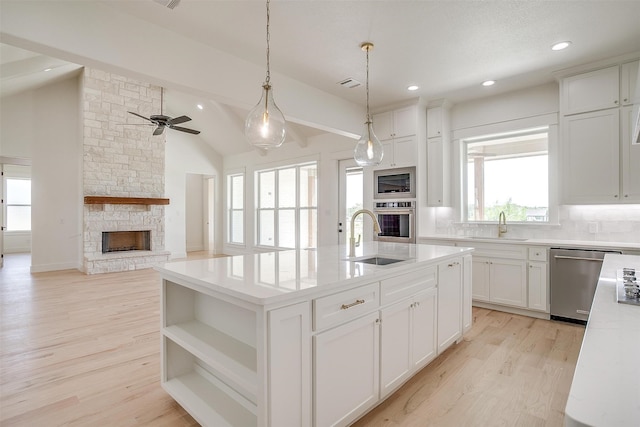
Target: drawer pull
[{"x": 348, "y": 306}]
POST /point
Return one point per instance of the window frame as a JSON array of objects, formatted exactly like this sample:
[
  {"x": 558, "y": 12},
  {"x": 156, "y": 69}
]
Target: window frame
[
  {"x": 231, "y": 210},
  {"x": 549, "y": 121},
  {"x": 297, "y": 208},
  {"x": 6, "y": 204}
]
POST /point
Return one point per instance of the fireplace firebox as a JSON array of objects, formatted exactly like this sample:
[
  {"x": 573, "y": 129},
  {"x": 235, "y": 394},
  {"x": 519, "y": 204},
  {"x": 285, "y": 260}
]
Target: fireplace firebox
[{"x": 120, "y": 241}]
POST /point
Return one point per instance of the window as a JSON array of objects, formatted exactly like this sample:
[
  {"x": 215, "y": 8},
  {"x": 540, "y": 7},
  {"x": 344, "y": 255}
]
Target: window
[
  {"x": 18, "y": 204},
  {"x": 507, "y": 172},
  {"x": 235, "y": 206},
  {"x": 287, "y": 207}
]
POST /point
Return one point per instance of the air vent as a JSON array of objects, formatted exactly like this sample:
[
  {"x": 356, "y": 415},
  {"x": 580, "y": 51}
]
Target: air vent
[
  {"x": 171, "y": 4},
  {"x": 350, "y": 83}
]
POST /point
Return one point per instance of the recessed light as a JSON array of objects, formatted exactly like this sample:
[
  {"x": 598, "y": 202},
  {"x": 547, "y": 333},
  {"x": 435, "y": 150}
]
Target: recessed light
[
  {"x": 488, "y": 83},
  {"x": 200, "y": 107},
  {"x": 561, "y": 45},
  {"x": 413, "y": 87},
  {"x": 47, "y": 69}
]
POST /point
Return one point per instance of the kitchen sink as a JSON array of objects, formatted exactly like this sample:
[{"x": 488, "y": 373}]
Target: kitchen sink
[{"x": 378, "y": 260}]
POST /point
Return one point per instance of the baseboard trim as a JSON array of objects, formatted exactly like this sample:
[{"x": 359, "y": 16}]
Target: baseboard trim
[{"x": 43, "y": 268}]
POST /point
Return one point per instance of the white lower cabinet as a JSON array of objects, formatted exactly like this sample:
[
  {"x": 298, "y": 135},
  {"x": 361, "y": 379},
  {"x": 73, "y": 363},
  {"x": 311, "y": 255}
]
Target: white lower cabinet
[
  {"x": 346, "y": 381},
  {"x": 537, "y": 278},
  {"x": 449, "y": 303},
  {"x": 408, "y": 332},
  {"x": 500, "y": 281}
]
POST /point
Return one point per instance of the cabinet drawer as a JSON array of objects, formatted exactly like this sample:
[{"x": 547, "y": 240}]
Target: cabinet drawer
[
  {"x": 538, "y": 254},
  {"x": 344, "y": 306},
  {"x": 408, "y": 284},
  {"x": 491, "y": 250}
]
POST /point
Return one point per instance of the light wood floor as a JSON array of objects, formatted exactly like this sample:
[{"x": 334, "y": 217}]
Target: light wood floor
[{"x": 79, "y": 350}]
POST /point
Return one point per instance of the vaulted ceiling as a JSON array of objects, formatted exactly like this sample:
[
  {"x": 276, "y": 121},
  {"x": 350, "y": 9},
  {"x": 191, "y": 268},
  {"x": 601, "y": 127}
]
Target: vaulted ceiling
[{"x": 447, "y": 48}]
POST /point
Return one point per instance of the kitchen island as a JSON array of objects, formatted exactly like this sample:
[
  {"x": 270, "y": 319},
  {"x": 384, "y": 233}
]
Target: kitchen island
[
  {"x": 307, "y": 337},
  {"x": 606, "y": 384}
]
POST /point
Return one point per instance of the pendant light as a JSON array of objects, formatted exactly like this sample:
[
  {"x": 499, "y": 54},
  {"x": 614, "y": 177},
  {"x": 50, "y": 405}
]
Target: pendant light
[
  {"x": 368, "y": 151},
  {"x": 265, "y": 125}
]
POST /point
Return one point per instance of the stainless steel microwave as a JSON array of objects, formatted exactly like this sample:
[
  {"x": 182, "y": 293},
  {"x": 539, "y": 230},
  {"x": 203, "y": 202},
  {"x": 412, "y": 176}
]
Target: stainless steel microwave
[{"x": 394, "y": 183}]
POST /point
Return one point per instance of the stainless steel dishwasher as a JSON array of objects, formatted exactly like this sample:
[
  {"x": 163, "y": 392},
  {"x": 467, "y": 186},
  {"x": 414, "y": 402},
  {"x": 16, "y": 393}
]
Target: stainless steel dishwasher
[{"x": 574, "y": 276}]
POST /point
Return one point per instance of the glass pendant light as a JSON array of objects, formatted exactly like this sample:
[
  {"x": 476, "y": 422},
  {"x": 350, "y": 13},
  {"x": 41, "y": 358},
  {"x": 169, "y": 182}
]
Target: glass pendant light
[
  {"x": 368, "y": 151},
  {"x": 265, "y": 125}
]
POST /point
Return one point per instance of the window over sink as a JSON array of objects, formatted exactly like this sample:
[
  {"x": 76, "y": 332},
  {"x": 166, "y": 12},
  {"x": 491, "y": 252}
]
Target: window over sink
[{"x": 506, "y": 172}]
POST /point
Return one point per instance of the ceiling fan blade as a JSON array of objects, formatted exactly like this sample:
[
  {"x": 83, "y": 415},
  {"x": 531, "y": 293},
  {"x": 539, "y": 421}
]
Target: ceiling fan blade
[
  {"x": 142, "y": 117},
  {"x": 158, "y": 130},
  {"x": 187, "y": 130},
  {"x": 178, "y": 120}
]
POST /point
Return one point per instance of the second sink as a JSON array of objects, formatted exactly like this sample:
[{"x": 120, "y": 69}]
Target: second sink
[{"x": 377, "y": 260}]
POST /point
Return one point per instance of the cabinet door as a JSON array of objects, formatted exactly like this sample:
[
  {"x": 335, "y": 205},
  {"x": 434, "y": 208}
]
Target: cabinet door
[
  {"x": 387, "y": 157},
  {"x": 480, "y": 279},
  {"x": 434, "y": 122},
  {"x": 537, "y": 280},
  {"x": 467, "y": 314},
  {"x": 592, "y": 91},
  {"x": 404, "y": 122},
  {"x": 383, "y": 125},
  {"x": 395, "y": 345},
  {"x": 630, "y": 158},
  {"x": 346, "y": 375},
  {"x": 289, "y": 366},
  {"x": 404, "y": 152},
  {"x": 590, "y": 158},
  {"x": 508, "y": 282},
  {"x": 438, "y": 153},
  {"x": 449, "y": 304},
  {"x": 423, "y": 328},
  {"x": 628, "y": 81}
]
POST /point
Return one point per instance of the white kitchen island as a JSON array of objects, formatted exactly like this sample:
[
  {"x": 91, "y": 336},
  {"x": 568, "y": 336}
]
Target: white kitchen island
[
  {"x": 307, "y": 337},
  {"x": 606, "y": 384}
]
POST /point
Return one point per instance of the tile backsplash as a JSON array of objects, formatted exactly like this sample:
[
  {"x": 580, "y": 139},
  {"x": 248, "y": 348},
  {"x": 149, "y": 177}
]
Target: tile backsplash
[{"x": 607, "y": 223}]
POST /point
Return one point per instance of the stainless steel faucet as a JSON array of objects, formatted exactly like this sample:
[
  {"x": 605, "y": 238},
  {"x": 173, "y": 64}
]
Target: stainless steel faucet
[
  {"x": 502, "y": 224},
  {"x": 352, "y": 239}
]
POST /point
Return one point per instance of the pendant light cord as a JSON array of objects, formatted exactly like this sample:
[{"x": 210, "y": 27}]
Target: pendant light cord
[
  {"x": 268, "y": 78},
  {"x": 368, "y": 48}
]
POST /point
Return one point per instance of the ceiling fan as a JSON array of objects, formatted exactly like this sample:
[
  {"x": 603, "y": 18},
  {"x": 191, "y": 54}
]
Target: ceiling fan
[{"x": 161, "y": 121}]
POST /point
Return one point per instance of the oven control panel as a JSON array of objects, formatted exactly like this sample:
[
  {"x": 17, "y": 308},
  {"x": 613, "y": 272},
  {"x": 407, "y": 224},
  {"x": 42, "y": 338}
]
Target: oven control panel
[{"x": 395, "y": 205}]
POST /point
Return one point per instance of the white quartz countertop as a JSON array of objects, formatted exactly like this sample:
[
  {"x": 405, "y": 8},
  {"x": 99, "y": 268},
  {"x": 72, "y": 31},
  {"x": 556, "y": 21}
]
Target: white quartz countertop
[
  {"x": 605, "y": 390},
  {"x": 563, "y": 243},
  {"x": 273, "y": 277}
]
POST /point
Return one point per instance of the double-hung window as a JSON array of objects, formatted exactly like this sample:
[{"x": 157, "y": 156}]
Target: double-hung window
[
  {"x": 286, "y": 214},
  {"x": 507, "y": 173},
  {"x": 235, "y": 209},
  {"x": 18, "y": 201}
]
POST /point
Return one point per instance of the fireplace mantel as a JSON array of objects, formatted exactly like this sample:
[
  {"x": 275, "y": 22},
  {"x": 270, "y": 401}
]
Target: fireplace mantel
[{"x": 104, "y": 200}]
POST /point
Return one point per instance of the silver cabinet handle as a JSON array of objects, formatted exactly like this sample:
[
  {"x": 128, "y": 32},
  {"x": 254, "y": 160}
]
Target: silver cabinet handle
[
  {"x": 348, "y": 306},
  {"x": 577, "y": 258}
]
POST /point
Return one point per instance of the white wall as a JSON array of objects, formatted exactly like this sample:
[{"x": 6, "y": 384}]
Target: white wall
[
  {"x": 188, "y": 154},
  {"x": 43, "y": 125},
  {"x": 327, "y": 149}
]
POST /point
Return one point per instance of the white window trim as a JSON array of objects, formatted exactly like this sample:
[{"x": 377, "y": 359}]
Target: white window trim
[{"x": 460, "y": 135}]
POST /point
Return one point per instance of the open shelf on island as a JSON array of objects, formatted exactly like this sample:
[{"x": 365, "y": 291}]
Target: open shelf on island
[{"x": 192, "y": 383}]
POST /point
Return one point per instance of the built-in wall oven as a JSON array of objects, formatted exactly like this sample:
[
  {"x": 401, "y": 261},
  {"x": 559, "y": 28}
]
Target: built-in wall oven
[{"x": 397, "y": 221}]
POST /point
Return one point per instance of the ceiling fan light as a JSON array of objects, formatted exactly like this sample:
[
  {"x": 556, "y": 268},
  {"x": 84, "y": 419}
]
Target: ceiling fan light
[{"x": 369, "y": 150}]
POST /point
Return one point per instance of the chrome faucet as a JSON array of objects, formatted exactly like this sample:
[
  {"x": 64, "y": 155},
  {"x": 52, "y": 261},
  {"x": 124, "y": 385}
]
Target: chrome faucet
[
  {"x": 352, "y": 239},
  {"x": 502, "y": 224}
]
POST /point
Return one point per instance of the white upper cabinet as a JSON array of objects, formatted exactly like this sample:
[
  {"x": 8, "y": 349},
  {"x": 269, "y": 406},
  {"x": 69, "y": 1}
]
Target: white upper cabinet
[
  {"x": 438, "y": 156},
  {"x": 396, "y": 123},
  {"x": 435, "y": 122},
  {"x": 628, "y": 83},
  {"x": 630, "y": 159},
  {"x": 590, "y": 158},
  {"x": 596, "y": 90}
]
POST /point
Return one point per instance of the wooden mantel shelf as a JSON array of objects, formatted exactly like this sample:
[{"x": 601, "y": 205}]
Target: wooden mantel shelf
[{"x": 104, "y": 200}]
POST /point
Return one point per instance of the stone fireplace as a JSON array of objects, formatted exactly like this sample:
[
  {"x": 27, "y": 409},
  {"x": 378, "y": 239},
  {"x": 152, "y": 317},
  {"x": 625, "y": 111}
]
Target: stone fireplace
[{"x": 123, "y": 174}]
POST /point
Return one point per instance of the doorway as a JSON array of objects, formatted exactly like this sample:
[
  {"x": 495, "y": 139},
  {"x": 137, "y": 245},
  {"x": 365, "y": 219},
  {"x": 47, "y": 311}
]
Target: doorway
[
  {"x": 350, "y": 199},
  {"x": 200, "y": 213}
]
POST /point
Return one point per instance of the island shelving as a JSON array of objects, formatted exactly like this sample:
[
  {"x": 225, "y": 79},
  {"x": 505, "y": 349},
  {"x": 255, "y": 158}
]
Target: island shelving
[{"x": 307, "y": 337}]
